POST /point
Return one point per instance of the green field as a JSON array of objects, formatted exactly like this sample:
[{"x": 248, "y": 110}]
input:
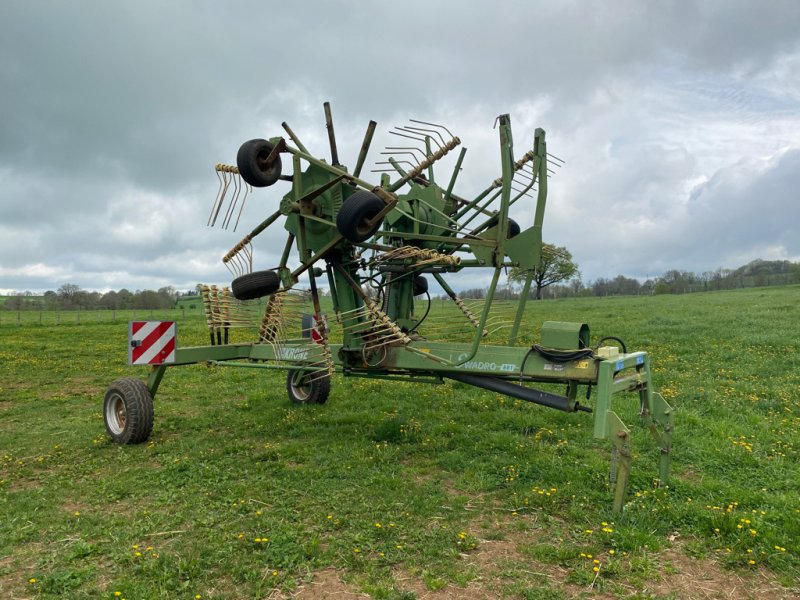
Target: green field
[{"x": 405, "y": 491}]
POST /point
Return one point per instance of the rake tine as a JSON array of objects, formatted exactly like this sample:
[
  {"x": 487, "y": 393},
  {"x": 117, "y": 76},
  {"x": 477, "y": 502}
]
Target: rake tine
[
  {"x": 217, "y": 200},
  {"x": 406, "y": 135},
  {"x": 409, "y": 148},
  {"x": 399, "y": 162},
  {"x": 433, "y": 125},
  {"x": 237, "y": 189},
  {"x": 247, "y": 190},
  {"x": 227, "y": 181},
  {"x": 429, "y": 131},
  {"x": 427, "y": 135},
  {"x": 413, "y": 156}
]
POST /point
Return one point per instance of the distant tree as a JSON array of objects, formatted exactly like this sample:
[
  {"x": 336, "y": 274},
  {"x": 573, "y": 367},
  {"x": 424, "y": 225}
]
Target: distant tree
[
  {"x": 110, "y": 300},
  {"x": 169, "y": 294},
  {"x": 14, "y": 302},
  {"x": 50, "y": 300},
  {"x": 556, "y": 265},
  {"x": 67, "y": 294},
  {"x": 148, "y": 299},
  {"x": 125, "y": 298}
]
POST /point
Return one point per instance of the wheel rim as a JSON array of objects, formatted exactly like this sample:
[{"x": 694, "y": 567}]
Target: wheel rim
[
  {"x": 116, "y": 414},
  {"x": 300, "y": 392}
]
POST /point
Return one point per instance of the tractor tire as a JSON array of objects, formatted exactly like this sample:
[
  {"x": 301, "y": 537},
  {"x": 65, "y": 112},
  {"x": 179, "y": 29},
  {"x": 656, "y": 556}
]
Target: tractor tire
[
  {"x": 356, "y": 213},
  {"x": 314, "y": 392},
  {"x": 252, "y": 162},
  {"x": 255, "y": 285},
  {"x": 128, "y": 411},
  {"x": 420, "y": 285},
  {"x": 513, "y": 229}
]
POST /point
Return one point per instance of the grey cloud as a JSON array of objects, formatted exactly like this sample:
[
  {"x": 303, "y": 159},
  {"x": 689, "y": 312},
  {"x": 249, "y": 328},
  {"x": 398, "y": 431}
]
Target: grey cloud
[{"x": 120, "y": 111}]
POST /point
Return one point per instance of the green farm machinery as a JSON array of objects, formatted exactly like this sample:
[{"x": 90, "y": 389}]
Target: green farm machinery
[{"x": 374, "y": 249}]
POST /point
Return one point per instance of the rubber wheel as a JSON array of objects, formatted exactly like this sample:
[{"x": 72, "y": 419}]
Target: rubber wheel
[
  {"x": 252, "y": 162},
  {"x": 420, "y": 285},
  {"x": 356, "y": 213},
  {"x": 301, "y": 392},
  {"x": 513, "y": 229},
  {"x": 255, "y": 285},
  {"x": 128, "y": 411}
]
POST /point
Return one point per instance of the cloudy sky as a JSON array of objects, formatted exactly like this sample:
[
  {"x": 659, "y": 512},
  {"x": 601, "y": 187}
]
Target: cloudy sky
[{"x": 679, "y": 123}]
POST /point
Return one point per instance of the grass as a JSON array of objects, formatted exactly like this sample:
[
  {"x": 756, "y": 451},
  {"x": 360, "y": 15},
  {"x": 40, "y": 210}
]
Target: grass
[{"x": 402, "y": 489}]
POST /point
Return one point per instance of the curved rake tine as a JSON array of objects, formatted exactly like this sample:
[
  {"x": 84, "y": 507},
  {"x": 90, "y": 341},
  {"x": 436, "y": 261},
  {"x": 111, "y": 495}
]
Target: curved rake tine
[
  {"x": 413, "y": 156},
  {"x": 406, "y": 135},
  {"x": 218, "y": 199},
  {"x": 411, "y": 148},
  {"x": 428, "y": 138},
  {"x": 229, "y": 213},
  {"x": 227, "y": 181},
  {"x": 247, "y": 190},
  {"x": 399, "y": 162},
  {"x": 433, "y": 131},
  {"x": 437, "y": 125}
]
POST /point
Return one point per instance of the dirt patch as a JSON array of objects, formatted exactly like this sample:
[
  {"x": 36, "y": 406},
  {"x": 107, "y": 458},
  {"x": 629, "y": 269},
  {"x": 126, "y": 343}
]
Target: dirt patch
[
  {"x": 474, "y": 589},
  {"x": 706, "y": 580},
  {"x": 16, "y": 570},
  {"x": 325, "y": 584}
]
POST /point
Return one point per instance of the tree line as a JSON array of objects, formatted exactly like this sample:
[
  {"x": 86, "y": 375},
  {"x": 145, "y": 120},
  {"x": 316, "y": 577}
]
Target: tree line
[
  {"x": 758, "y": 273},
  {"x": 557, "y": 277},
  {"x": 71, "y": 297}
]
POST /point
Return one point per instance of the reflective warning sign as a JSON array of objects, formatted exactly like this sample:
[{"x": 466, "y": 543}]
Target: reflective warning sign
[{"x": 151, "y": 342}]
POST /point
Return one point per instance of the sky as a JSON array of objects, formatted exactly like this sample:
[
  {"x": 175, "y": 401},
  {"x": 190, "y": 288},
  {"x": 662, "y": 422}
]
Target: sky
[{"x": 679, "y": 124}]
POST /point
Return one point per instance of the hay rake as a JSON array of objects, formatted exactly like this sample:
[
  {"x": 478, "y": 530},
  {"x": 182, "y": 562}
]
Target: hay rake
[{"x": 376, "y": 245}]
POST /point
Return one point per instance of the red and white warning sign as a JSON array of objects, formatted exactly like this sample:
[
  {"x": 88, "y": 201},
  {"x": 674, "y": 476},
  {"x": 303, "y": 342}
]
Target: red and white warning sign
[{"x": 151, "y": 342}]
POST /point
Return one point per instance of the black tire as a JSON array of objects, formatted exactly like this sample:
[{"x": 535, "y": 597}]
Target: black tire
[
  {"x": 255, "y": 285},
  {"x": 315, "y": 391},
  {"x": 420, "y": 285},
  {"x": 252, "y": 162},
  {"x": 513, "y": 229},
  {"x": 356, "y": 213},
  {"x": 128, "y": 411}
]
